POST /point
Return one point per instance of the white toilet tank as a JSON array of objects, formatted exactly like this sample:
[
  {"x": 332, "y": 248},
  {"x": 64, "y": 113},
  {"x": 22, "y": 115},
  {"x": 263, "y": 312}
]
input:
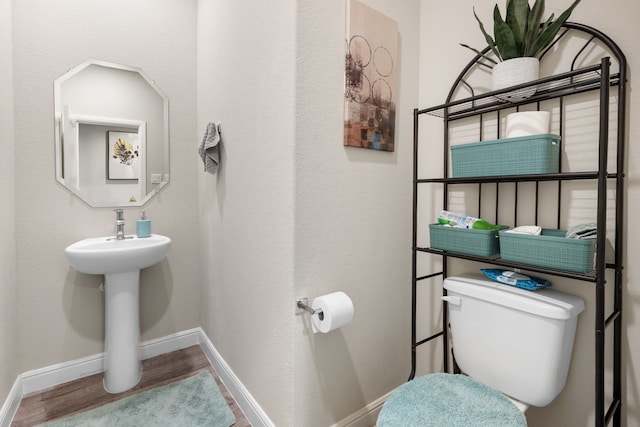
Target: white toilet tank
[{"x": 516, "y": 341}]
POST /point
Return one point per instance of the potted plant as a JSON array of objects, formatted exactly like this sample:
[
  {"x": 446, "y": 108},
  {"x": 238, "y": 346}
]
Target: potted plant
[{"x": 518, "y": 39}]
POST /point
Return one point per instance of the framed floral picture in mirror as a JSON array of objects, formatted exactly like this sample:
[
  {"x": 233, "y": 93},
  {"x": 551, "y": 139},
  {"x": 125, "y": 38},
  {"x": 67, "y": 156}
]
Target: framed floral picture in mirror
[{"x": 123, "y": 155}]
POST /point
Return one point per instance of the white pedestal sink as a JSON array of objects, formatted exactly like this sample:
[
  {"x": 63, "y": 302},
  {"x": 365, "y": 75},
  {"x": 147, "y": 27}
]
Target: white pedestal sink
[{"x": 120, "y": 261}]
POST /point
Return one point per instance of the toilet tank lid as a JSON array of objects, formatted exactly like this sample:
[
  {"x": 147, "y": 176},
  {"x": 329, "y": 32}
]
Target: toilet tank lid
[{"x": 545, "y": 302}]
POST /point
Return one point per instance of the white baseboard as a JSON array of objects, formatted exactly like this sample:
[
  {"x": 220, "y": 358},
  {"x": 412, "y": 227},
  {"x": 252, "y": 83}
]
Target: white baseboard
[
  {"x": 53, "y": 375},
  {"x": 365, "y": 417},
  {"x": 10, "y": 406},
  {"x": 169, "y": 343},
  {"x": 252, "y": 410},
  {"x": 43, "y": 378}
]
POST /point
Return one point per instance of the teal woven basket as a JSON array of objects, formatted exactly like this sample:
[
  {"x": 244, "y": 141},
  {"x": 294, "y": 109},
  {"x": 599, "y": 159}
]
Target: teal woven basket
[
  {"x": 524, "y": 155},
  {"x": 463, "y": 240},
  {"x": 550, "y": 249}
]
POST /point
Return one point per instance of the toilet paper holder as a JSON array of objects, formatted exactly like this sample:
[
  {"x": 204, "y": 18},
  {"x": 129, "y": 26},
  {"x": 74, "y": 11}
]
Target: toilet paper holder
[{"x": 302, "y": 305}]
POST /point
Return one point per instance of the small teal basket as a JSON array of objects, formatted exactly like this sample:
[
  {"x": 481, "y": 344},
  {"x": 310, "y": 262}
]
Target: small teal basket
[
  {"x": 524, "y": 155},
  {"x": 551, "y": 249},
  {"x": 464, "y": 241}
]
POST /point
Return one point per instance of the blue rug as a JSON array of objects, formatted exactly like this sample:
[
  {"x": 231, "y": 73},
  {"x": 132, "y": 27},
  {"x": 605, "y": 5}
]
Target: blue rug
[{"x": 192, "y": 402}]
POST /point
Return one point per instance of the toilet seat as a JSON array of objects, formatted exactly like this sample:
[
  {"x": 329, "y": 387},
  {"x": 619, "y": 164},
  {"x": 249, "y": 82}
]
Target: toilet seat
[{"x": 448, "y": 400}]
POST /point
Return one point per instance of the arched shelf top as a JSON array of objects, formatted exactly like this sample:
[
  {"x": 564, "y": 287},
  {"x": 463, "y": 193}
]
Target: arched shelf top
[{"x": 571, "y": 64}]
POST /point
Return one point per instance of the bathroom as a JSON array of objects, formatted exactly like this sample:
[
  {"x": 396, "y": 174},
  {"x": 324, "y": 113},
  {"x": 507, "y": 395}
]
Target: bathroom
[{"x": 291, "y": 212}]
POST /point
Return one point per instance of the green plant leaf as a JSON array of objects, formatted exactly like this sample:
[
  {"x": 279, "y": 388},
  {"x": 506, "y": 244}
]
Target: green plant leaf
[
  {"x": 541, "y": 28},
  {"x": 488, "y": 58},
  {"x": 504, "y": 37},
  {"x": 549, "y": 33},
  {"x": 522, "y": 33},
  {"x": 516, "y": 19},
  {"x": 533, "y": 26},
  {"x": 487, "y": 37}
]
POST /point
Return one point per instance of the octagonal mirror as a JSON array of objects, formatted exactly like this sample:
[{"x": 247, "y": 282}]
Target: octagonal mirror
[{"x": 111, "y": 134}]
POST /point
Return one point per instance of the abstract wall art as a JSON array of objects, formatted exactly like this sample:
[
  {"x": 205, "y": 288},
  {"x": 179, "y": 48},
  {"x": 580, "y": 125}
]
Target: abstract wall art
[{"x": 371, "y": 69}]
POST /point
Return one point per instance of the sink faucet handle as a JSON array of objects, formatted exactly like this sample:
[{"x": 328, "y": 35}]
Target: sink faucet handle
[{"x": 119, "y": 224}]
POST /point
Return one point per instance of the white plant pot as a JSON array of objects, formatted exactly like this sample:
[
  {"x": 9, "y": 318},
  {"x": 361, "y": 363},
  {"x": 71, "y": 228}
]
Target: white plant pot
[{"x": 513, "y": 72}]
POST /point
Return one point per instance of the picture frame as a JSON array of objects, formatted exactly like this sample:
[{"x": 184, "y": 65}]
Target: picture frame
[
  {"x": 371, "y": 78},
  {"x": 123, "y": 155}
]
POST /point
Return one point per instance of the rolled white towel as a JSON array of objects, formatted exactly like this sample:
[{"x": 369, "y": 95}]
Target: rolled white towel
[{"x": 533, "y": 230}]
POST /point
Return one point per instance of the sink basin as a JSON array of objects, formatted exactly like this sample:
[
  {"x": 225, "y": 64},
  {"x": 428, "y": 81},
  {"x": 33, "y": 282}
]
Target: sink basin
[
  {"x": 120, "y": 261},
  {"x": 106, "y": 255}
]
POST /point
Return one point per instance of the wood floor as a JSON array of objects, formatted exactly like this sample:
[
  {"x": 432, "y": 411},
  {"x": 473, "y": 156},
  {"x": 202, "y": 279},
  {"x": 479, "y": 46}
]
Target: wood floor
[{"x": 88, "y": 393}]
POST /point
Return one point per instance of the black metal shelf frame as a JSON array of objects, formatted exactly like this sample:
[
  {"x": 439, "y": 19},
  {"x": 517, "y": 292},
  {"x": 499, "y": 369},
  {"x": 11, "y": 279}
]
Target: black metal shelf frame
[{"x": 594, "y": 78}]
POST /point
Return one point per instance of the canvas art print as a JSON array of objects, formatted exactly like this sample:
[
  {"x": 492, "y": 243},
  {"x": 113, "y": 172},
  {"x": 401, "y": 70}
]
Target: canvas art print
[
  {"x": 123, "y": 153},
  {"x": 370, "y": 78}
]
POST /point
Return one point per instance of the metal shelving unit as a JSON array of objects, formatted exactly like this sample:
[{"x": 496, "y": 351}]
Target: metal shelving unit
[{"x": 606, "y": 81}]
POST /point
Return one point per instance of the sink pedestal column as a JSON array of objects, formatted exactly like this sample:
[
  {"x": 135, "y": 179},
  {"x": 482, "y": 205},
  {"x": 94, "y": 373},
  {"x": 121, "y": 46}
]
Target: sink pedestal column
[{"x": 122, "y": 361}]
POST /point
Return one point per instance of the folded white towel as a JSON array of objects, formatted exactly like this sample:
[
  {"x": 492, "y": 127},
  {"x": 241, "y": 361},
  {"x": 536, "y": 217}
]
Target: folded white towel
[
  {"x": 526, "y": 229},
  {"x": 208, "y": 148}
]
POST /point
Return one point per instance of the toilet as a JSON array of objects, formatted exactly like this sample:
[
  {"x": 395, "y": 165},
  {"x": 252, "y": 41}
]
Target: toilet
[{"x": 513, "y": 347}]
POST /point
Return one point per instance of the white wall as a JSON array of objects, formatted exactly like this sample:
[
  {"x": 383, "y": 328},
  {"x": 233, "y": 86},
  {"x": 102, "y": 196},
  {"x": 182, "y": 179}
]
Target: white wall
[
  {"x": 352, "y": 224},
  {"x": 575, "y": 405},
  {"x": 246, "y": 80},
  {"x": 60, "y": 311},
  {"x": 8, "y": 284},
  {"x": 277, "y": 227}
]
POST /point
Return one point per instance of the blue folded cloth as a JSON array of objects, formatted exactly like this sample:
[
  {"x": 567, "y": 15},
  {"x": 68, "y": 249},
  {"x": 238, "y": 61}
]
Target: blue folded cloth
[{"x": 518, "y": 280}]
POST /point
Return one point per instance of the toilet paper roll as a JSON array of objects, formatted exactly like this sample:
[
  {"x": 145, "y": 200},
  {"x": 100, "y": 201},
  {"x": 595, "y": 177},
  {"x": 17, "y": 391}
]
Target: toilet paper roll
[
  {"x": 527, "y": 123},
  {"x": 337, "y": 311}
]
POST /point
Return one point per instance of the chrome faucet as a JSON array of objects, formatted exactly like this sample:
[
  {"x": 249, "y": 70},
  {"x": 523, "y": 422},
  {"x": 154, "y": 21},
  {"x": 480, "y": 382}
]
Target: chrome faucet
[{"x": 119, "y": 224}]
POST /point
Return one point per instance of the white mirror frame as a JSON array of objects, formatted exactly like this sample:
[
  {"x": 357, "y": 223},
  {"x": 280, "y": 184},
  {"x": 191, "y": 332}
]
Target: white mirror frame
[{"x": 66, "y": 120}]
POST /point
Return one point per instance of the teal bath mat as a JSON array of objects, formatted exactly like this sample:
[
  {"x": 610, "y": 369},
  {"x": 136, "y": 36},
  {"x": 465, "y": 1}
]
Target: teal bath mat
[{"x": 192, "y": 402}]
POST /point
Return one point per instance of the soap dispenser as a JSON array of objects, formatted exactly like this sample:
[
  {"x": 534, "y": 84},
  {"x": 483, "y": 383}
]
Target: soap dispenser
[{"x": 143, "y": 227}]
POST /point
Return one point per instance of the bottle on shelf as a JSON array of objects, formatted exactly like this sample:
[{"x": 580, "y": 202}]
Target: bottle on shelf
[{"x": 463, "y": 221}]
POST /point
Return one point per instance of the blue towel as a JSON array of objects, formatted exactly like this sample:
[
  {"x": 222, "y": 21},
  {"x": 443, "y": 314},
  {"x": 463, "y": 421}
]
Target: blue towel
[{"x": 448, "y": 400}]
